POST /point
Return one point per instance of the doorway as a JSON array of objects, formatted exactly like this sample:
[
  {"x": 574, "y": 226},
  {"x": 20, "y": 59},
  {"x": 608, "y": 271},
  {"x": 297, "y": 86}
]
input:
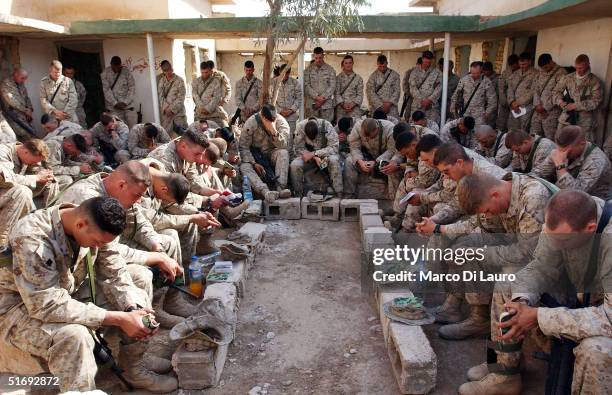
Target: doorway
[{"x": 86, "y": 58}]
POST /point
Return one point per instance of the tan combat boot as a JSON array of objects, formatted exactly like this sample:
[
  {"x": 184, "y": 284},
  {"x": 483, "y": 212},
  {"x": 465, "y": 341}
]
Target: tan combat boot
[
  {"x": 232, "y": 213},
  {"x": 477, "y": 324},
  {"x": 284, "y": 193},
  {"x": 270, "y": 196},
  {"x": 164, "y": 319},
  {"x": 450, "y": 311},
  {"x": 157, "y": 364},
  {"x": 477, "y": 372},
  {"x": 493, "y": 383},
  {"x": 205, "y": 244},
  {"x": 176, "y": 305},
  {"x": 131, "y": 361}
]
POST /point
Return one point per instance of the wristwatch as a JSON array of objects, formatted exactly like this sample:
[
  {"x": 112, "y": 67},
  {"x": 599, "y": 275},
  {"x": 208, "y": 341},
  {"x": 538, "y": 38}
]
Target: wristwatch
[
  {"x": 437, "y": 228},
  {"x": 561, "y": 166}
]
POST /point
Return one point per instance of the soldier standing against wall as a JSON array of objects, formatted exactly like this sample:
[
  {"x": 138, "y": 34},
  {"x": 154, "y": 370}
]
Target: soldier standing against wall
[
  {"x": 349, "y": 91},
  {"x": 319, "y": 87},
  {"x": 119, "y": 90},
  {"x": 171, "y": 93}
]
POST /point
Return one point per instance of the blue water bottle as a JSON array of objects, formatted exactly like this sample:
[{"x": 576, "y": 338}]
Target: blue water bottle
[{"x": 247, "y": 192}]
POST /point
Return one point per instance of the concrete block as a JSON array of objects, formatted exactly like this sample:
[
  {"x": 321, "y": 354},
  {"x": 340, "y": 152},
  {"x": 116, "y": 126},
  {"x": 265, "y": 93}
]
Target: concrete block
[
  {"x": 237, "y": 277},
  {"x": 367, "y": 221},
  {"x": 283, "y": 209},
  {"x": 413, "y": 361},
  {"x": 330, "y": 210},
  {"x": 376, "y": 237},
  {"x": 350, "y": 208},
  {"x": 254, "y": 231},
  {"x": 310, "y": 210},
  {"x": 368, "y": 208}
]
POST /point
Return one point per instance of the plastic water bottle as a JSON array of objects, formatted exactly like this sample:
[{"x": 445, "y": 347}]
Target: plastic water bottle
[
  {"x": 195, "y": 276},
  {"x": 247, "y": 192}
]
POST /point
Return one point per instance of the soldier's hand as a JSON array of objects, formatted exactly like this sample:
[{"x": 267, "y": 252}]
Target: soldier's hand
[
  {"x": 558, "y": 156},
  {"x": 205, "y": 220},
  {"x": 426, "y": 226},
  {"x": 131, "y": 324},
  {"x": 524, "y": 320},
  {"x": 44, "y": 177},
  {"x": 61, "y": 115},
  {"x": 307, "y": 156},
  {"x": 85, "y": 168},
  {"x": 540, "y": 109},
  {"x": 168, "y": 266},
  {"x": 415, "y": 200},
  {"x": 425, "y": 103},
  {"x": 120, "y": 106},
  {"x": 259, "y": 169},
  {"x": 365, "y": 167},
  {"x": 317, "y": 160},
  {"x": 233, "y": 159},
  {"x": 219, "y": 202},
  {"x": 390, "y": 168},
  {"x": 570, "y": 107},
  {"x": 342, "y": 136}
]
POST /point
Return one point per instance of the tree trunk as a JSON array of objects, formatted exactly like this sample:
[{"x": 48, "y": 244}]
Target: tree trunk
[
  {"x": 275, "y": 10},
  {"x": 286, "y": 70}
]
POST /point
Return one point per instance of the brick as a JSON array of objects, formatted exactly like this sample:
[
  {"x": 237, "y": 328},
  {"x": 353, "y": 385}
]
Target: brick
[
  {"x": 367, "y": 221},
  {"x": 368, "y": 208},
  {"x": 330, "y": 210},
  {"x": 376, "y": 237},
  {"x": 413, "y": 361},
  {"x": 254, "y": 230},
  {"x": 283, "y": 209},
  {"x": 238, "y": 278},
  {"x": 310, "y": 210},
  {"x": 350, "y": 208}
]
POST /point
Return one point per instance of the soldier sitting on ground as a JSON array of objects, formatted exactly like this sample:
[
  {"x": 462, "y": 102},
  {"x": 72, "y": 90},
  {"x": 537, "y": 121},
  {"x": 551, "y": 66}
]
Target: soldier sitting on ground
[
  {"x": 111, "y": 139},
  {"x": 419, "y": 118},
  {"x": 343, "y": 129},
  {"x": 566, "y": 268},
  {"x": 66, "y": 159},
  {"x": 53, "y": 127},
  {"x": 43, "y": 307},
  {"x": 144, "y": 138},
  {"x": 461, "y": 131},
  {"x": 578, "y": 164},
  {"x": 492, "y": 145},
  {"x": 265, "y": 134},
  {"x": 316, "y": 147},
  {"x": 528, "y": 152}
]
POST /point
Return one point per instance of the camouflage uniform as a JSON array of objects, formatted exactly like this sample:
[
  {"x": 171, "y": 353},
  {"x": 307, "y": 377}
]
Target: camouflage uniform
[
  {"x": 495, "y": 83},
  {"x": 43, "y": 324},
  {"x": 164, "y": 216},
  {"x": 389, "y": 92},
  {"x": 290, "y": 98},
  {"x": 425, "y": 178},
  {"x": 139, "y": 234},
  {"x": 541, "y": 148},
  {"x": 82, "y": 95},
  {"x": 325, "y": 146},
  {"x": 18, "y": 187},
  {"x": 453, "y": 82},
  {"x": 7, "y": 135},
  {"x": 349, "y": 89},
  {"x": 195, "y": 126},
  {"x": 587, "y": 94},
  {"x": 503, "y": 109},
  {"x": 590, "y": 326},
  {"x": 252, "y": 100},
  {"x": 226, "y": 86},
  {"x": 138, "y": 143},
  {"x": 65, "y": 169},
  {"x": 124, "y": 91},
  {"x": 406, "y": 91},
  {"x": 65, "y": 129},
  {"x": 498, "y": 153},
  {"x": 15, "y": 96},
  {"x": 520, "y": 89},
  {"x": 546, "y": 124},
  {"x": 381, "y": 152},
  {"x": 102, "y": 138},
  {"x": 171, "y": 94},
  {"x": 482, "y": 104},
  {"x": 65, "y": 100},
  {"x": 319, "y": 81},
  {"x": 426, "y": 84},
  {"x": 608, "y": 147},
  {"x": 253, "y": 135},
  {"x": 467, "y": 140},
  {"x": 590, "y": 172},
  {"x": 208, "y": 97}
]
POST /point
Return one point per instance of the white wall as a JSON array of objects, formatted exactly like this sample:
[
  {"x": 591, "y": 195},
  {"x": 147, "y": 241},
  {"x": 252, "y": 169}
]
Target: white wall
[
  {"x": 35, "y": 57},
  {"x": 593, "y": 38}
]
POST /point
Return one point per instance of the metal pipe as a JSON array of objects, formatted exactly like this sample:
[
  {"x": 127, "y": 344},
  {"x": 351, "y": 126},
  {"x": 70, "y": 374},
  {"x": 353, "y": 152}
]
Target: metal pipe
[
  {"x": 151, "y": 60},
  {"x": 300, "y": 61},
  {"x": 447, "y": 39}
]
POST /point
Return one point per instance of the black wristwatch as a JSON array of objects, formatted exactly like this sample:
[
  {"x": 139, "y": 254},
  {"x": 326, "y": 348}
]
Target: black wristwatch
[{"x": 437, "y": 228}]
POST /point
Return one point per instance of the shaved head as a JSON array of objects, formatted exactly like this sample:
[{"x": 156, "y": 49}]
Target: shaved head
[
  {"x": 135, "y": 172},
  {"x": 485, "y": 131},
  {"x": 562, "y": 209},
  {"x": 369, "y": 126}
]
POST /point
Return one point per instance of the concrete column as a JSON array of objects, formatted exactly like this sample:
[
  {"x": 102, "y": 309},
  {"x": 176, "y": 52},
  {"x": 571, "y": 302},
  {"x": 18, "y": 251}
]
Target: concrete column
[
  {"x": 506, "y": 53},
  {"x": 151, "y": 60},
  {"x": 300, "y": 61},
  {"x": 447, "y": 39},
  {"x": 431, "y": 44}
]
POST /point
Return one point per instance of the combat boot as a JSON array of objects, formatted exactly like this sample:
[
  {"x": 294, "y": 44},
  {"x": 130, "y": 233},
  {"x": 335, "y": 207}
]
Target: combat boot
[
  {"x": 450, "y": 311},
  {"x": 478, "y": 372},
  {"x": 477, "y": 324},
  {"x": 392, "y": 222},
  {"x": 164, "y": 319},
  {"x": 131, "y": 361},
  {"x": 205, "y": 245},
  {"x": 231, "y": 214},
  {"x": 270, "y": 196},
  {"x": 493, "y": 383},
  {"x": 284, "y": 193},
  {"x": 176, "y": 305},
  {"x": 157, "y": 364}
]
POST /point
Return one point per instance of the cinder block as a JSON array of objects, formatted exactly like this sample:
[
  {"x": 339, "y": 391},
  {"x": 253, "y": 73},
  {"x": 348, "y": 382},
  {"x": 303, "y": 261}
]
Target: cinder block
[
  {"x": 283, "y": 209},
  {"x": 376, "y": 237},
  {"x": 413, "y": 361},
  {"x": 237, "y": 277},
  {"x": 350, "y": 208},
  {"x": 254, "y": 231},
  {"x": 368, "y": 208},
  {"x": 310, "y": 210},
  {"x": 367, "y": 221},
  {"x": 330, "y": 210}
]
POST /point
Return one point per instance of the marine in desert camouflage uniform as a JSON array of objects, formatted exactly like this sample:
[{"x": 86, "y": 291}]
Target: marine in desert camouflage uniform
[
  {"x": 383, "y": 89},
  {"x": 546, "y": 115},
  {"x": 119, "y": 91},
  {"x": 426, "y": 87},
  {"x": 319, "y": 88}
]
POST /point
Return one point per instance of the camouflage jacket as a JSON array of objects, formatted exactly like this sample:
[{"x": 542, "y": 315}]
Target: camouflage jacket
[
  {"x": 252, "y": 100},
  {"x": 498, "y": 153},
  {"x": 450, "y": 132},
  {"x": 15, "y": 95},
  {"x": 66, "y": 98},
  {"x": 541, "y": 147},
  {"x": 65, "y": 129},
  {"x": 61, "y": 164},
  {"x": 502, "y": 86},
  {"x": 550, "y": 271},
  {"x": 171, "y": 94},
  {"x": 349, "y": 89},
  {"x": 12, "y": 171},
  {"x": 484, "y": 100},
  {"x": 590, "y": 172},
  {"x": 208, "y": 97},
  {"x": 100, "y": 134},
  {"x": 543, "y": 87},
  {"x": 587, "y": 92},
  {"x": 138, "y": 143},
  {"x": 124, "y": 90},
  {"x": 81, "y": 92},
  {"x": 325, "y": 144},
  {"x": 521, "y": 87},
  {"x": 253, "y": 135},
  {"x": 425, "y": 84},
  {"x": 48, "y": 269},
  {"x": 225, "y": 85},
  {"x": 290, "y": 98},
  {"x": 319, "y": 81},
  {"x": 167, "y": 155},
  {"x": 385, "y": 151},
  {"x": 379, "y": 93}
]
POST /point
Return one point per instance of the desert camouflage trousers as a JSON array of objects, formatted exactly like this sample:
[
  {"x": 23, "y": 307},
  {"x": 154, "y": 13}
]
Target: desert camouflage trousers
[
  {"x": 280, "y": 159},
  {"x": 545, "y": 126},
  {"x": 30, "y": 346},
  {"x": 351, "y": 178},
  {"x": 297, "y": 173}
]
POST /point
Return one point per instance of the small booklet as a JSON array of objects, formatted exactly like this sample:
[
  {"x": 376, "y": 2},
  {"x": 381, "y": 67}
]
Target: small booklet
[
  {"x": 404, "y": 201},
  {"x": 521, "y": 111}
]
